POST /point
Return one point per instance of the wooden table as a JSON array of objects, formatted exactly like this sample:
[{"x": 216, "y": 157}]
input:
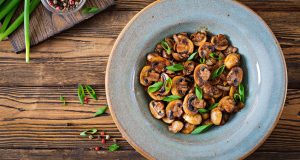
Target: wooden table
[{"x": 35, "y": 125}]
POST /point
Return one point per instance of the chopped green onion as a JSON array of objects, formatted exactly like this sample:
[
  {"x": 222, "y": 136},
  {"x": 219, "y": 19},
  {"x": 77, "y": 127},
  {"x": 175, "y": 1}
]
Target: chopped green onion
[
  {"x": 155, "y": 87},
  {"x": 81, "y": 94},
  {"x": 242, "y": 92},
  {"x": 212, "y": 106},
  {"x": 27, "y": 29},
  {"x": 166, "y": 47},
  {"x": 171, "y": 98},
  {"x": 218, "y": 72},
  {"x": 213, "y": 55},
  {"x": 198, "y": 91},
  {"x": 101, "y": 111},
  {"x": 201, "y": 129},
  {"x": 236, "y": 97},
  {"x": 91, "y": 92},
  {"x": 192, "y": 56},
  {"x": 202, "y": 110},
  {"x": 88, "y": 132},
  {"x": 18, "y": 21},
  {"x": 202, "y": 60},
  {"x": 175, "y": 67},
  {"x": 113, "y": 147},
  {"x": 168, "y": 83}
]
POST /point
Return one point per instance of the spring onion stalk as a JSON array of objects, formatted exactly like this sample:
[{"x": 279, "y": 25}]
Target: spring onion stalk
[
  {"x": 7, "y": 19},
  {"x": 1, "y": 1},
  {"x": 8, "y": 7},
  {"x": 27, "y": 28},
  {"x": 18, "y": 21}
]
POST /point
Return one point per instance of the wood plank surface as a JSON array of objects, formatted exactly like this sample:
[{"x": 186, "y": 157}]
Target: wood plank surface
[
  {"x": 35, "y": 125},
  {"x": 44, "y": 24}
]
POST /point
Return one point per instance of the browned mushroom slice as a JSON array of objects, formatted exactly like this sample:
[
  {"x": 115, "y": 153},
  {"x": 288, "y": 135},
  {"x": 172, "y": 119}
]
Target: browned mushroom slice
[
  {"x": 176, "y": 126},
  {"x": 227, "y": 103},
  {"x": 220, "y": 42},
  {"x": 164, "y": 90},
  {"x": 189, "y": 67},
  {"x": 212, "y": 91},
  {"x": 168, "y": 120},
  {"x": 179, "y": 86},
  {"x": 235, "y": 76},
  {"x": 198, "y": 38},
  {"x": 174, "y": 109},
  {"x": 148, "y": 76},
  {"x": 157, "y": 108},
  {"x": 225, "y": 118},
  {"x": 157, "y": 62},
  {"x": 193, "y": 119},
  {"x": 205, "y": 49},
  {"x": 201, "y": 74},
  {"x": 183, "y": 47},
  {"x": 230, "y": 49},
  {"x": 158, "y": 48},
  {"x": 232, "y": 60},
  {"x": 216, "y": 116},
  {"x": 232, "y": 91},
  {"x": 188, "y": 128},
  {"x": 205, "y": 116},
  {"x": 191, "y": 104},
  {"x": 207, "y": 122}
]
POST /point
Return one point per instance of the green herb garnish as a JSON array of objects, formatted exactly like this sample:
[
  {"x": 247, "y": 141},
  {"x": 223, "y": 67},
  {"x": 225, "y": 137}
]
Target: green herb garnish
[
  {"x": 198, "y": 91},
  {"x": 220, "y": 58},
  {"x": 91, "y": 92},
  {"x": 242, "y": 92},
  {"x": 213, "y": 55},
  {"x": 192, "y": 56},
  {"x": 101, "y": 111},
  {"x": 81, "y": 94},
  {"x": 155, "y": 87},
  {"x": 175, "y": 67},
  {"x": 171, "y": 98},
  {"x": 202, "y": 60},
  {"x": 168, "y": 83},
  {"x": 166, "y": 47},
  {"x": 236, "y": 97},
  {"x": 88, "y": 10},
  {"x": 202, "y": 110},
  {"x": 113, "y": 147},
  {"x": 88, "y": 132},
  {"x": 218, "y": 72},
  {"x": 212, "y": 106},
  {"x": 201, "y": 129},
  {"x": 62, "y": 99}
]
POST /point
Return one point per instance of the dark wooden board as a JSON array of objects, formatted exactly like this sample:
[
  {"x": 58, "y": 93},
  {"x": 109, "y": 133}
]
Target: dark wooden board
[
  {"x": 44, "y": 24},
  {"x": 35, "y": 125}
]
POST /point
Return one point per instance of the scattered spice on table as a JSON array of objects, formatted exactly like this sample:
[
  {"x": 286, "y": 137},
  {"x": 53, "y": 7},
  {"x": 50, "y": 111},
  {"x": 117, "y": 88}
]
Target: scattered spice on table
[
  {"x": 97, "y": 148},
  {"x": 64, "y": 5}
]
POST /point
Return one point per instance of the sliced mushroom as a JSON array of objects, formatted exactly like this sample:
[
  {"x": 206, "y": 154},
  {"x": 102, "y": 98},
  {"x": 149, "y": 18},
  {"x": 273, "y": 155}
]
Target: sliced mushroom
[
  {"x": 158, "y": 48},
  {"x": 232, "y": 91},
  {"x": 224, "y": 88},
  {"x": 174, "y": 109},
  {"x": 188, "y": 128},
  {"x": 235, "y": 76},
  {"x": 230, "y": 49},
  {"x": 225, "y": 118},
  {"x": 191, "y": 104},
  {"x": 227, "y": 103},
  {"x": 148, "y": 76},
  {"x": 183, "y": 47},
  {"x": 179, "y": 86},
  {"x": 232, "y": 60},
  {"x": 157, "y": 62},
  {"x": 216, "y": 116},
  {"x": 206, "y": 122},
  {"x": 201, "y": 74},
  {"x": 193, "y": 119},
  {"x": 176, "y": 126},
  {"x": 189, "y": 67},
  {"x": 205, "y": 49},
  {"x": 220, "y": 42},
  {"x": 157, "y": 108},
  {"x": 198, "y": 38},
  {"x": 168, "y": 120},
  {"x": 205, "y": 116},
  {"x": 212, "y": 91},
  {"x": 164, "y": 90}
]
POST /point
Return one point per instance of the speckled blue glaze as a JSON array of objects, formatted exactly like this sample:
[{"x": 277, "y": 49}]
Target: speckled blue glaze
[{"x": 265, "y": 80}]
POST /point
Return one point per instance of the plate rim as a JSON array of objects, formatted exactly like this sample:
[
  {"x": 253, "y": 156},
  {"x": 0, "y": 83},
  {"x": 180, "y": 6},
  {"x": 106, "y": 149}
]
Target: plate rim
[{"x": 121, "y": 35}]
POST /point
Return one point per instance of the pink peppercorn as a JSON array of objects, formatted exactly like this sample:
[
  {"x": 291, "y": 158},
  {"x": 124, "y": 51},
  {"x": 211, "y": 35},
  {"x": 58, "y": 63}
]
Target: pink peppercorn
[
  {"x": 103, "y": 141},
  {"x": 57, "y": 8},
  {"x": 102, "y": 133},
  {"x": 97, "y": 148},
  {"x": 86, "y": 100}
]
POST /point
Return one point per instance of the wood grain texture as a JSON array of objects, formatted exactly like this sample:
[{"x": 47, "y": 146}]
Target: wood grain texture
[
  {"x": 45, "y": 24},
  {"x": 35, "y": 125}
]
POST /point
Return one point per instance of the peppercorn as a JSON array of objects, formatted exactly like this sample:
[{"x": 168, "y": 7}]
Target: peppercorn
[
  {"x": 97, "y": 148},
  {"x": 103, "y": 141},
  {"x": 64, "y": 5},
  {"x": 107, "y": 137}
]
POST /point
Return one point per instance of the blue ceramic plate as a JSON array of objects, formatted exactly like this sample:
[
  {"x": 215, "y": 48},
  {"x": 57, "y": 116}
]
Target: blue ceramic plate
[{"x": 266, "y": 80}]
